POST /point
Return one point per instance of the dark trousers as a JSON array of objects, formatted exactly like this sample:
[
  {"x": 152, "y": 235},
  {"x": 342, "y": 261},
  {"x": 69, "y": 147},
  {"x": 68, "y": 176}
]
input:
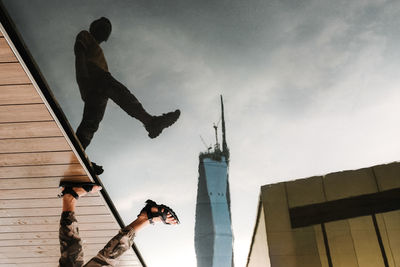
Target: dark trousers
[
  {"x": 102, "y": 87},
  {"x": 71, "y": 245}
]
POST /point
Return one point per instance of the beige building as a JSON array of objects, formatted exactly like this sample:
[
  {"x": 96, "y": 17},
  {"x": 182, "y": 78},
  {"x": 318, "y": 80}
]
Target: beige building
[{"x": 342, "y": 219}]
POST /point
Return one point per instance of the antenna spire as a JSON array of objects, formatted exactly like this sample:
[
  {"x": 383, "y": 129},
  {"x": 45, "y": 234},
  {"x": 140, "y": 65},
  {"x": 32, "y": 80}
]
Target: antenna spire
[
  {"x": 216, "y": 134},
  {"x": 225, "y": 148}
]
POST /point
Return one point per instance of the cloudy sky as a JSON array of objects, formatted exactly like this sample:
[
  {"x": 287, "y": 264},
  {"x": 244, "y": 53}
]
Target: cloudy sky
[{"x": 310, "y": 87}]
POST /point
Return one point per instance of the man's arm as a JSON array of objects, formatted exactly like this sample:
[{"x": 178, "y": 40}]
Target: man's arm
[{"x": 82, "y": 73}]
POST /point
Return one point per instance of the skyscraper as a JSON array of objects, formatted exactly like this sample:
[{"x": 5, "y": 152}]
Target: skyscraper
[{"x": 213, "y": 231}]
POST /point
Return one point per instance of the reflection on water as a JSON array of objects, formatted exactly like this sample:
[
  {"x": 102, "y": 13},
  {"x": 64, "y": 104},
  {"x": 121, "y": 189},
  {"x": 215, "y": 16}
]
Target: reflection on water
[{"x": 97, "y": 85}]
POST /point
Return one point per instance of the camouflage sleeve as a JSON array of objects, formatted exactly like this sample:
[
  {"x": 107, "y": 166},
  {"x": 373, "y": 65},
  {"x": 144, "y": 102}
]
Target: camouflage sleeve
[
  {"x": 70, "y": 242},
  {"x": 110, "y": 254}
]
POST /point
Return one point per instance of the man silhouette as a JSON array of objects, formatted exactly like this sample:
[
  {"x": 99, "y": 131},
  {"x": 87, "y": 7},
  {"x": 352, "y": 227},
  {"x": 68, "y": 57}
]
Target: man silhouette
[{"x": 97, "y": 85}]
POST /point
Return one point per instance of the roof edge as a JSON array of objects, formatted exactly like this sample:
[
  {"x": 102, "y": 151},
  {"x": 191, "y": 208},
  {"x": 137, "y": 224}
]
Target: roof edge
[{"x": 260, "y": 205}]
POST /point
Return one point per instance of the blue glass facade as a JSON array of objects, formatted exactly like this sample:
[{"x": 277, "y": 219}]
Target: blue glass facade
[{"x": 213, "y": 231}]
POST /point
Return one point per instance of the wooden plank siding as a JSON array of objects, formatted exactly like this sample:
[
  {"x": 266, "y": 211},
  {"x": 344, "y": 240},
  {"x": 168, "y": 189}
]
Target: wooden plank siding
[
  {"x": 13, "y": 74},
  {"x": 54, "y": 241},
  {"x": 49, "y": 262},
  {"x": 55, "y": 219},
  {"x": 23, "y": 113},
  {"x": 36, "y": 182},
  {"x": 44, "y": 158},
  {"x": 54, "y": 227},
  {"x": 42, "y": 171},
  {"x": 6, "y": 54},
  {"x": 25, "y": 236},
  {"x": 35, "y": 155},
  {"x": 27, "y": 145},
  {"x": 32, "y": 212},
  {"x": 47, "y": 202},
  {"x": 29, "y": 129},
  {"x": 126, "y": 258},
  {"x": 19, "y": 94}
]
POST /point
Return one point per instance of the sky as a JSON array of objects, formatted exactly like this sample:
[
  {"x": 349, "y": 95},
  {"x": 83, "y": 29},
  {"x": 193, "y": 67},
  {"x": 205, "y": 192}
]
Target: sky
[{"x": 309, "y": 86}]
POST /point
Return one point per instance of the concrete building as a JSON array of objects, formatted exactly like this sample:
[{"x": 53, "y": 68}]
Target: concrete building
[
  {"x": 213, "y": 231},
  {"x": 349, "y": 218}
]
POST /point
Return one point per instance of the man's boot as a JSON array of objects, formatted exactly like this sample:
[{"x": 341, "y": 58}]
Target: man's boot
[
  {"x": 159, "y": 123},
  {"x": 97, "y": 168}
]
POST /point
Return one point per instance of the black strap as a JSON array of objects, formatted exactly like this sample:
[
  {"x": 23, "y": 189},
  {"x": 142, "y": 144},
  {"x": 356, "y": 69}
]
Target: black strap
[
  {"x": 87, "y": 187},
  {"x": 149, "y": 214},
  {"x": 69, "y": 190},
  {"x": 160, "y": 212},
  {"x": 164, "y": 213}
]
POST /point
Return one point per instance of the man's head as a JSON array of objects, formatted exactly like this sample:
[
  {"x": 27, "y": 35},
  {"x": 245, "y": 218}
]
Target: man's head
[{"x": 100, "y": 29}]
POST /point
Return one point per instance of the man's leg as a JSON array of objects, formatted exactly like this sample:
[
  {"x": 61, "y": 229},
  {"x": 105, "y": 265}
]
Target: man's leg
[
  {"x": 93, "y": 113},
  {"x": 121, "y": 95},
  {"x": 118, "y": 92}
]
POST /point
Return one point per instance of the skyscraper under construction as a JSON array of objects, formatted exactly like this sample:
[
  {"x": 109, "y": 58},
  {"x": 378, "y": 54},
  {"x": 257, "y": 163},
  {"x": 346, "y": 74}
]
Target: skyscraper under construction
[{"x": 213, "y": 231}]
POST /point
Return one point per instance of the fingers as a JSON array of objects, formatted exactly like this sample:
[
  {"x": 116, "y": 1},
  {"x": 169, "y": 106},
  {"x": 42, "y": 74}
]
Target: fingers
[
  {"x": 96, "y": 188},
  {"x": 171, "y": 219}
]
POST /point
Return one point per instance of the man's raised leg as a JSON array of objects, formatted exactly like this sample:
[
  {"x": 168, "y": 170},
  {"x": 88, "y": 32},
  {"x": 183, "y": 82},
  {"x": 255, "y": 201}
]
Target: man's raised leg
[{"x": 121, "y": 95}]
